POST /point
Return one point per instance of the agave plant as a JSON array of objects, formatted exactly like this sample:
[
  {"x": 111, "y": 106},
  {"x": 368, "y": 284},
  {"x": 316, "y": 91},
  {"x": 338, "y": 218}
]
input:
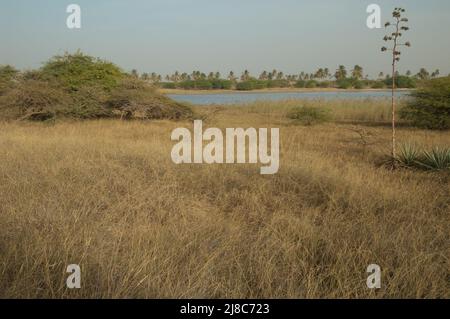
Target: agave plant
[
  {"x": 409, "y": 155},
  {"x": 436, "y": 159}
]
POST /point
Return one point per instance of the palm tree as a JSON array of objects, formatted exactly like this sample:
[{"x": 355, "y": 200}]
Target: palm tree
[
  {"x": 435, "y": 74},
  {"x": 263, "y": 76},
  {"x": 357, "y": 72},
  {"x": 231, "y": 76},
  {"x": 280, "y": 75},
  {"x": 381, "y": 75},
  {"x": 423, "y": 74},
  {"x": 245, "y": 76},
  {"x": 341, "y": 73}
]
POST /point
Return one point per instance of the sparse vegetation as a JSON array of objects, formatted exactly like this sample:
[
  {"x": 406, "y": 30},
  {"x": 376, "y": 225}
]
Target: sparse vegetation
[
  {"x": 104, "y": 194},
  {"x": 309, "y": 115}
]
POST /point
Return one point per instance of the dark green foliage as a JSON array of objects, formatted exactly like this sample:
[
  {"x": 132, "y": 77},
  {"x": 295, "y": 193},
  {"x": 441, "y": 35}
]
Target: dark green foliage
[
  {"x": 309, "y": 115},
  {"x": 300, "y": 84},
  {"x": 378, "y": 85},
  {"x": 430, "y": 105},
  {"x": 251, "y": 85},
  {"x": 324, "y": 84},
  {"x": 311, "y": 84},
  {"x": 402, "y": 82},
  {"x": 168, "y": 85},
  {"x": 344, "y": 83},
  {"x": 359, "y": 85},
  {"x": 276, "y": 84}
]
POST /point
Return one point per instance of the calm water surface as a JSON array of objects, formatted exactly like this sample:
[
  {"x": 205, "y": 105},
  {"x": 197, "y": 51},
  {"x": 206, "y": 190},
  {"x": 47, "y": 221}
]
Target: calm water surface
[{"x": 248, "y": 97}]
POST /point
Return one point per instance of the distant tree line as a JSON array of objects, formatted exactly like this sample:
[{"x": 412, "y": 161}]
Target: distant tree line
[{"x": 323, "y": 78}]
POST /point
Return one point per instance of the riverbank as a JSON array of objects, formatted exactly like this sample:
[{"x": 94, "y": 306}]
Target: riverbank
[{"x": 274, "y": 90}]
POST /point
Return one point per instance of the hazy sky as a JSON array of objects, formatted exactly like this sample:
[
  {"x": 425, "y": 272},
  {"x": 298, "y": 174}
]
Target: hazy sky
[{"x": 167, "y": 35}]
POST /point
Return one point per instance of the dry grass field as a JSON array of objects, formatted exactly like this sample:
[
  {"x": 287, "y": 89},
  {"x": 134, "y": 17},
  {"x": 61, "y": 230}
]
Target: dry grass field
[{"x": 106, "y": 195}]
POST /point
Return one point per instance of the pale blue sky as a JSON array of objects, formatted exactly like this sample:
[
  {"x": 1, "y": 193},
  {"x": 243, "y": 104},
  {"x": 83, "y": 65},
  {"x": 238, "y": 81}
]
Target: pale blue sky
[{"x": 209, "y": 35}]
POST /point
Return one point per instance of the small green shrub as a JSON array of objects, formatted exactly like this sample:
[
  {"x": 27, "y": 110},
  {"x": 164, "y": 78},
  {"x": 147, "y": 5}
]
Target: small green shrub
[{"x": 309, "y": 115}]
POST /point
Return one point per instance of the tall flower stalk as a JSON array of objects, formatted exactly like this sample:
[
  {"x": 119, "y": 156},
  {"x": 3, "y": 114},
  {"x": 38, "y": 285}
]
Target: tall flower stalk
[{"x": 399, "y": 25}]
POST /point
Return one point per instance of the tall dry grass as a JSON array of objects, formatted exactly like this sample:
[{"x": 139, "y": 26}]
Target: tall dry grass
[{"x": 106, "y": 195}]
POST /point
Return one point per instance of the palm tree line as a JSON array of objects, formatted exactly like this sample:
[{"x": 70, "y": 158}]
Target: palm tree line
[{"x": 322, "y": 74}]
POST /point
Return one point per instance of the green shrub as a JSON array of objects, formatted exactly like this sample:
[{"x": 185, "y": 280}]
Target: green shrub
[
  {"x": 430, "y": 105},
  {"x": 309, "y": 115},
  {"x": 311, "y": 84},
  {"x": 276, "y": 83},
  {"x": 7, "y": 75},
  {"x": 378, "y": 85},
  {"x": 344, "y": 83},
  {"x": 325, "y": 84},
  {"x": 97, "y": 90},
  {"x": 402, "y": 82},
  {"x": 300, "y": 84},
  {"x": 252, "y": 85},
  {"x": 221, "y": 84},
  {"x": 359, "y": 85},
  {"x": 73, "y": 71},
  {"x": 168, "y": 85}
]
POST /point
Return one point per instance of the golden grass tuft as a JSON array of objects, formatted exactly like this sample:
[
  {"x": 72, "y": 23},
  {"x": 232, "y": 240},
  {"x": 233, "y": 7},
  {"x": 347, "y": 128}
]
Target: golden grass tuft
[{"x": 105, "y": 194}]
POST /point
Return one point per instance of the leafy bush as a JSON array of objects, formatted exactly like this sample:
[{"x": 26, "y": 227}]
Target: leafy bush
[
  {"x": 311, "y": 84},
  {"x": 359, "y": 85},
  {"x": 221, "y": 84},
  {"x": 402, "y": 82},
  {"x": 82, "y": 87},
  {"x": 378, "y": 85},
  {"x": 430, "y": 105},
  {"x": 300, "y": 84},
  {"x": 324, "y": 84},
  {"x": 73, "y": 71},
  {"x": 251, "y": 85},
  {"x": 7, "y": 74},
  {"x": 168, "y": 85},
  {"x": 277, "y": 83},
  {"x": 309, "y": 115},
  {"x": 344, "y": 83}
]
